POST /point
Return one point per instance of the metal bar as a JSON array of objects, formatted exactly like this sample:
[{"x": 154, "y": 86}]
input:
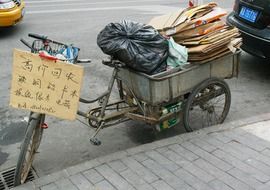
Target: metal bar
[
  {"x": 97, "y": 130},
  {"x": 86, "y": 115},
  {"x": 104, "y": 104},
  {"x": 94, "y": 100},
  {"x": 118, "y": 114},
  {"x": 151, "y": 120}
]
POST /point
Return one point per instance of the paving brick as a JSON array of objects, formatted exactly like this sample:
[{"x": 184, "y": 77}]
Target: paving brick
[
  {"x": 242, "y": 166},
  {"x": 234, "y": 183},
  {"x": 104, "y": 185},
  {"x": 266, "y": 152},
  {"x": 166, "y": 175},
  {"x": 219, "y": 185},
  {"x": 251, "y": 153},
  {"x": 229, "y": 148},
  {"x": 179, "y": 160},
  {"x": 183, "y": 152},
  {"x": 226, "y": 148},
  {"x": 50, "y": 186},
  {"x": 259, "y": 165},
  {"x": 145, "y": 186},
  {"x": 199, "y": 173},
  {"x": 140, "y": 157},
  {"x": 132, "y": 177},
  {"x": 193, "y": 181},
  {"x": 261, "y": 143},
  {"x": 81, "y": 182},
  {"x": 246, "y": 140},
  {"x": 117, "y": 165},
  {"x": 161, "y": 160},
  {"x": 139, "y": 169},
  {"x": 207, "y": 156},
  {"x": 211, "y": 169},
  {"x": 221, "y": 137},
  {"x": 203, "y": 145},
  {"x": 221, "y": 175},
  {"x": 265, "y": 187},
  {"x": 114, "y": 178},
  {"x": 161, "y": 185},
  {"x": 213, "y": 141},
  {"x": 82, "y": 167},
  {"x": 247, "y": 179},
  {"x": 161, "y": 150},
  {"x": 51, "y": 178},
  {"x": 65, "y": 184},
  {"x": 93, "y": 176}
]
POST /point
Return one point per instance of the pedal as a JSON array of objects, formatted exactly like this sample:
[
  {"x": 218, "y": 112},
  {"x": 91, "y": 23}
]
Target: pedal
[{"x": 95, "y": 141}]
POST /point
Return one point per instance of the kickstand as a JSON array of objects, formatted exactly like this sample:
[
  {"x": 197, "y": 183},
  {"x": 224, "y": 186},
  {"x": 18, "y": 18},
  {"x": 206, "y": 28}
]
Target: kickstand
[{"x": 93, "y": 139}]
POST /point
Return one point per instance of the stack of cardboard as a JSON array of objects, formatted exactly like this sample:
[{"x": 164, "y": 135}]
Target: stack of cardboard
[{"x": 201, "y": 30}]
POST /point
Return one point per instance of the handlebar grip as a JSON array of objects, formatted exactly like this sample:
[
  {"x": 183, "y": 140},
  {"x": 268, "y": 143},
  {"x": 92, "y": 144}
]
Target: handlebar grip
[
  {"x": 84, "y": 61},
  {"x": 26, "y": 43},
  {"x": 37, "y": 36}
]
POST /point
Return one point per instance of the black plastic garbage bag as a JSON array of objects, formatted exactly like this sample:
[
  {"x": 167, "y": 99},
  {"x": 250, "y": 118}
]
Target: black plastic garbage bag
[{"x": 140, "y": 46}]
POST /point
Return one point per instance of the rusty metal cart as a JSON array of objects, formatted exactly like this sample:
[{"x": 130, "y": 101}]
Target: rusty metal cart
[{"x": 197, "y": 95}]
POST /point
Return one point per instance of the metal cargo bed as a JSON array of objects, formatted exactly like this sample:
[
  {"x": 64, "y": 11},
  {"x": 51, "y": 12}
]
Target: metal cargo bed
[{"x": 169, "y": 85}]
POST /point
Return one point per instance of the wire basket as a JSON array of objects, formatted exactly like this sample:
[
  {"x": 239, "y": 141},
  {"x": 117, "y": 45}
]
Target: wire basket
[{"x": 56, "y": 48}]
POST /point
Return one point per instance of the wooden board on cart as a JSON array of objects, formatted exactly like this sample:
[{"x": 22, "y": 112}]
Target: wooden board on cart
[{"x": 45, "y": 86}]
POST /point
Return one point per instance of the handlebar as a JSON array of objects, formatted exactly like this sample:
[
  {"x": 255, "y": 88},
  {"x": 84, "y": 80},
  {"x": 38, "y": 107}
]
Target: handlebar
[
  {"x": 26, "y": 43},
  {"x": 37, "y": 36}
]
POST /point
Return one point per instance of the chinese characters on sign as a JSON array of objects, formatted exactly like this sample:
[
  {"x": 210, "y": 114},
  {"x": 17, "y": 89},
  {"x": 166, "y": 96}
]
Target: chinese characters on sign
[{"x": 45, "y": 86}]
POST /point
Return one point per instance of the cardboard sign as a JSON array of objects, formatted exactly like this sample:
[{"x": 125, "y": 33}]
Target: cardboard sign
[{"x": 44, "y": 86}]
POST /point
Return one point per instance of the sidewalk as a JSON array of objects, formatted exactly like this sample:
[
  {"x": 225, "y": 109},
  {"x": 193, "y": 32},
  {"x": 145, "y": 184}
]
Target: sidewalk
[{"x": 234, "y": 155}]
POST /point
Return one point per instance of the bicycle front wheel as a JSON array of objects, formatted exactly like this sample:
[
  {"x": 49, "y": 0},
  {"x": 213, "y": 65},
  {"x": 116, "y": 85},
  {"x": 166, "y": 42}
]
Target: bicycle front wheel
[{"x": 29, "y": 147}]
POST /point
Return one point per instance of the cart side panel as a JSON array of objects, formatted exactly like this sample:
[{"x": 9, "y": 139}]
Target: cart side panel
[
  {"x": 186, "y": 81},
  {"x": 226, "y": 67},
  {"x": 161, "y": 91},
  {"x": 137, "y": 83},
  {"x": 223, "y": 67}
]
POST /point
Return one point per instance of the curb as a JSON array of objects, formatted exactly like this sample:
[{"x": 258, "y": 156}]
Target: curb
[{"x": 145, "y": 147}]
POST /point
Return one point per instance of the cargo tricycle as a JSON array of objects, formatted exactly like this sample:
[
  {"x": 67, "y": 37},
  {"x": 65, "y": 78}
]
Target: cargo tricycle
[{"x": 195, "y": 95}]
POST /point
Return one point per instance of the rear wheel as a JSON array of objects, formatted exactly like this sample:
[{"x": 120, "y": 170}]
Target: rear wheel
[
  {"x": 29, "y": 147},
  {"x": 207, "y": 105}
]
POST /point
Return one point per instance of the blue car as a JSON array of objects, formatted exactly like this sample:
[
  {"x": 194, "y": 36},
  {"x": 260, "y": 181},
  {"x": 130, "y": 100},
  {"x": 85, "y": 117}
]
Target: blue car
[{"x": 252, "y": 18}]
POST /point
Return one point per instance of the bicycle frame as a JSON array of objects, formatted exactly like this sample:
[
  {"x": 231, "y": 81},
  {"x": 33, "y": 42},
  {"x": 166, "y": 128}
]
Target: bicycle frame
[{"x": 103, "y": 119}]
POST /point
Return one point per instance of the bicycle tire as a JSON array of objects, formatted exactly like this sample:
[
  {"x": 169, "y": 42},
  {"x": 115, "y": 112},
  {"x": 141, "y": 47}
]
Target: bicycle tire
[
  {"x": 32, "y": 139},
  {"x": 199, "y": 101}
]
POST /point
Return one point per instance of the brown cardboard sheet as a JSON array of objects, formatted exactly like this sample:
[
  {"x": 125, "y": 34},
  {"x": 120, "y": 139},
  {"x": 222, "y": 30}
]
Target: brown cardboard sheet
[
  {"x": 172, "y": 23},
  {"x": 199, "y": 31},
  {"x": 211, "y": 37},
  {"x": 212, "y": 46},
  {"x": 210, "y": 58}
]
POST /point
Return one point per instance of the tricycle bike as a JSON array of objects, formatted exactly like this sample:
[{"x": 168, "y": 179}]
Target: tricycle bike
[{"x": 197, "y": 95}]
